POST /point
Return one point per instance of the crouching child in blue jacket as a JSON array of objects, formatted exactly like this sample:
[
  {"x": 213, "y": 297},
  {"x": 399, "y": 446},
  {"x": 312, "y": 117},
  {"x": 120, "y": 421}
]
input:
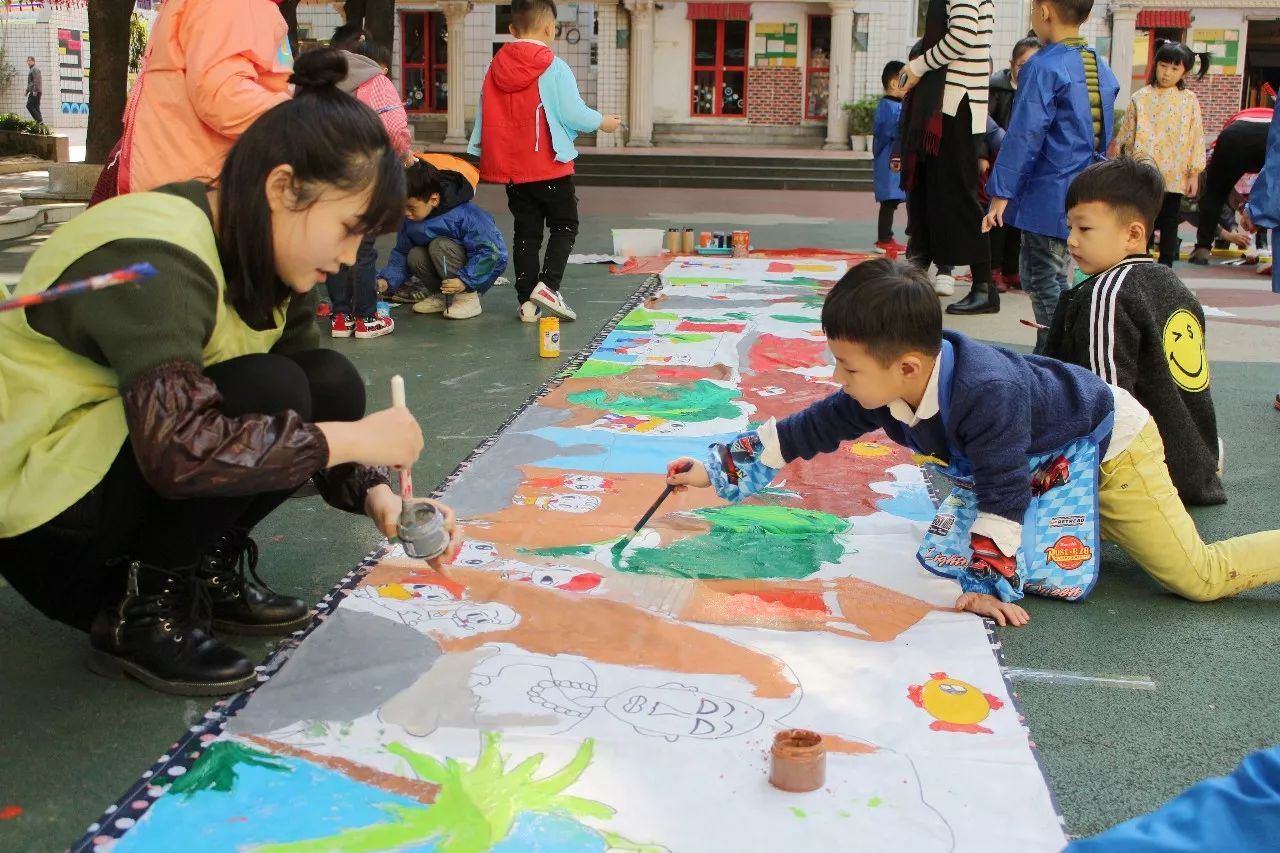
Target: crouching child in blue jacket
[
  {"x": 1046, "y": 458},
  {"x": 452, "y": 246}
]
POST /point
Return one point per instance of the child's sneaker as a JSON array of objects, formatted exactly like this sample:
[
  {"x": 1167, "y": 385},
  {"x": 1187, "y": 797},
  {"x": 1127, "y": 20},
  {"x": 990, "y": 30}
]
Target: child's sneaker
[
  {"x": 375, "y": 326},
  {"x": 409, "y": 293},
  {"x": 944, "y": 285},
  {"x": 552, "y": 301},
  {"x": 432, "y": 304},
  {"x": 463, "y": 307},
  {"x": 892, "y": 248},
  {"x": 340, "y": 326},
  {"x": 529, "y": 313}
]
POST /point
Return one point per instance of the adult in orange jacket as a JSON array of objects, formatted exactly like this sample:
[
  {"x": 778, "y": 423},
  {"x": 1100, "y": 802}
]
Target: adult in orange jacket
[{"x": 213, "y": 67}]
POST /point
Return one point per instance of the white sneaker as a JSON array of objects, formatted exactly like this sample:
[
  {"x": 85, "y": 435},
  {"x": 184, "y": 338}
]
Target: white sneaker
[
  {"x": 463, "y": 307},
  {"x": 529, "y": 313},
  {"x": 552, "y": 301},
  {"x": 432, "y": 304},
  {"x": 943, "y": 285}
]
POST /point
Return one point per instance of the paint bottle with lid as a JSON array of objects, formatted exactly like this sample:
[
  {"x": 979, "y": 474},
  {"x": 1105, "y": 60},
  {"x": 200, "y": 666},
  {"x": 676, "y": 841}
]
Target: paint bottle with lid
[
  {"x": 549, "y": 337},
  {"x": 798, "y": 761}
]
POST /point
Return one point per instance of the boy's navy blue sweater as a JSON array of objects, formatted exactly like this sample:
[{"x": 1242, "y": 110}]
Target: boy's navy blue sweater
[{"x": 1004, "y": 408}]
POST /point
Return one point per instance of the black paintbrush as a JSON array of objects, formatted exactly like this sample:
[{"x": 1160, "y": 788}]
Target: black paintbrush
[{"x": 622, "y": 543}]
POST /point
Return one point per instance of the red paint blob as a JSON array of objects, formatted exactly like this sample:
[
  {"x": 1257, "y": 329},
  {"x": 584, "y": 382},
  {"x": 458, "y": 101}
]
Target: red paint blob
[{"x": 10, "y": 812}]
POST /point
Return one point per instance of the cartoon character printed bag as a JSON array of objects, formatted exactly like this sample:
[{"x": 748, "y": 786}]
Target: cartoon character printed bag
[{"x": 1059, "y": 555}]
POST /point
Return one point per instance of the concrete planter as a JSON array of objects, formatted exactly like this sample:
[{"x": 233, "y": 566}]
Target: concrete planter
[
  {"x": 67, "y": 182},
  {"x": 54, "y": 148}
]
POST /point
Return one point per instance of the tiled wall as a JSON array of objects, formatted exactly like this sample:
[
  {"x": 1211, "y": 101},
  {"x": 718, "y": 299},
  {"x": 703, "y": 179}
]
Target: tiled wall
[{"x": 1219, "y": 96}]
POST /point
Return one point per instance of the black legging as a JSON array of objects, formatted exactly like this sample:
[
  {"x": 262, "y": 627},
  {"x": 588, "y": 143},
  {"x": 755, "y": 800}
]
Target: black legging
[
  {"x": 884, "y": 222},
  {"x": 1241, "y": 148},
  {"x": 1167, "y": 224},
  {"x": 61, "y": 566}
]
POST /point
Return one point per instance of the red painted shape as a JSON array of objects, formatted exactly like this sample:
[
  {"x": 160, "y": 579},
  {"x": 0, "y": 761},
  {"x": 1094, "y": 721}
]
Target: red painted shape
[
  {"x": 779, "y": 266},
  {"x": 995, "y": 703},
  {"x": 771, "y": 352},
  {"x": 966, "y": 728},
  {"x": 694, "y": 326},
  {"x": 913, "y": 693},
  {"x": 10, "y": 812},
  {"x": 793, "y": 599}
]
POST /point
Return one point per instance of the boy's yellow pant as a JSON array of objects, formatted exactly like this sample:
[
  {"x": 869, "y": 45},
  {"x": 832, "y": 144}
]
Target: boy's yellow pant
[{"x": 1142, "y": 513}]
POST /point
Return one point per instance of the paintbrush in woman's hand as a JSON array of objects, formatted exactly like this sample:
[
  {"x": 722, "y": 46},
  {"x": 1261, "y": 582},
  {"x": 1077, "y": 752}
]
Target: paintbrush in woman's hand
[{"x": 622, "y": 543}]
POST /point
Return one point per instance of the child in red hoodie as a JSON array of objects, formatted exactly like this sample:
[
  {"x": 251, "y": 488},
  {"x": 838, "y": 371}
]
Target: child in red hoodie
[{"x": 529, "y": 113}]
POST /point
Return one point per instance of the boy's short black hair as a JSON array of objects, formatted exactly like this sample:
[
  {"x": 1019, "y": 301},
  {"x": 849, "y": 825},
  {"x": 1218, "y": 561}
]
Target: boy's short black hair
[
  {"x": 527, "y": 14},
  {"x": 1133, "y": 189},
  {"x": 1071, "y": 11},
  {"x": 1023, "y": 45},
  {"x": 421, "y": 181},
  {"x": 887, "y": 306},
  {"x": 892, "y": 69},
  {"x": 375, "y": 51},
  {"x": 346, "y": 36}
]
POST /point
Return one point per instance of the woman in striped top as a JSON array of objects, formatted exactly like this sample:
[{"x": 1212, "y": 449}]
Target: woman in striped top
[{"x": 944, "y": 120}]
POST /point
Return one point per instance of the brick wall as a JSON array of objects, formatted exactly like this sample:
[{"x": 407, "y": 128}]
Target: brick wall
[
  {"x": 775, "y": 95},
  {"x": 1219, "y": 99}
]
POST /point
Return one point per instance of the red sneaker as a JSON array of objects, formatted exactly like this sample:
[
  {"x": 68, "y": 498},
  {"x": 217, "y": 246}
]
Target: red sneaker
[
  {"x": 1013, "y": 281},
  {"x": 375, "y": 326},
  {"x": 340, "y": 326},
  {"x": 890, "y": 248},
  {"x": 997, "y": 278}
]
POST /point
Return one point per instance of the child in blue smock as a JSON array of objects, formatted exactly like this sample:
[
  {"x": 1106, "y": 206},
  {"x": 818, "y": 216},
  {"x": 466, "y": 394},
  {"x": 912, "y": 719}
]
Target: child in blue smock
[{"x": 884, "y": 139}]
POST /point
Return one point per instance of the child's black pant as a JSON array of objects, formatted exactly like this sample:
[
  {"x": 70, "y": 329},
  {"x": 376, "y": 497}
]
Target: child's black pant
[
  {"x": 354, "y": 290},
  {"x": 539, "y": 205},
  {"x": 1167, "y": 224},
  {"x": 1006, "y": 245},
  {"x": 884, "y": 226},
  {"x": 61, "y": 567},
  {"x": 1241, "y": 148}
]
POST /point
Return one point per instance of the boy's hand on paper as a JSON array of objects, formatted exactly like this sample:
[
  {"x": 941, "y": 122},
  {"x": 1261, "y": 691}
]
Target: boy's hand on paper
[
  {"x": 450, "y": 286},
  {"x": 383, "y": 506},
  {"x": 1003, "y": 612},
  {"x": 610, "y": 123},
  {"x": 696, "y": 476},
  {"x": 995, "y": 214}
]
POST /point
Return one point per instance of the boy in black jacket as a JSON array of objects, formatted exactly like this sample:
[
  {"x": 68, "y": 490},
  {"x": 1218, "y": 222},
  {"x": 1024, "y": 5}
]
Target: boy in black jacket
[{"x": 1135, "y": 324}]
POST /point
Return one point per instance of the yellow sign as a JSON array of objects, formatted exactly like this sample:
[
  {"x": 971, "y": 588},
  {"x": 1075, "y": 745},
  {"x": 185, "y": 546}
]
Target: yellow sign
[{"x": 1184, "y": 347}]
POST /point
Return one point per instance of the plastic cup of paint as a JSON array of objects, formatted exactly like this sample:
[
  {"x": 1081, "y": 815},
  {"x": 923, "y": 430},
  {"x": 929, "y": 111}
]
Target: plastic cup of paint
[{"x": 798, "y": 761}]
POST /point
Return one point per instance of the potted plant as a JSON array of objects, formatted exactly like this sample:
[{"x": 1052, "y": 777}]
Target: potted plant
[{"x": 861, "y": 118}]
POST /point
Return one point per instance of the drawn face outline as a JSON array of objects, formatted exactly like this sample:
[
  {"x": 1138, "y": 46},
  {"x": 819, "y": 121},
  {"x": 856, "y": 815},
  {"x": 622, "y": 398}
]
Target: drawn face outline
[{"x": 673, "y": 711}]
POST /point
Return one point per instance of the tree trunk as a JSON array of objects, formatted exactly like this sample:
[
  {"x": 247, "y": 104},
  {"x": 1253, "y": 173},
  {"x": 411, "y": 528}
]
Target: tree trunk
[
  {"x": 108, "y": 76},
  {"x": 289, "y": 11},
  {"x": 353, "y": 10},
  {"x": 380, "y": 21}
]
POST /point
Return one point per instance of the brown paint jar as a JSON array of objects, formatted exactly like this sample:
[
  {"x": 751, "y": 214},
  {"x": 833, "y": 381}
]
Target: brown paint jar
[{"x": 799, "y": 761}]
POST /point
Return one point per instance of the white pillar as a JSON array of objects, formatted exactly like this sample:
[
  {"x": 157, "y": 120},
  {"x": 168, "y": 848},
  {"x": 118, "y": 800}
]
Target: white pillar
[
  {"x": 611, "y": 91},
  {"x": 841, "y": 84},
  {"x": 640, "y": 117},
  {"x": 455, "y": 13},
  {"x": 1123, "y": 31}
]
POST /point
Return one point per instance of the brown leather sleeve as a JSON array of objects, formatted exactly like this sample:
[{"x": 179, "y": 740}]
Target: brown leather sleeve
[
  {"x": 345, "y": 486},
  {"x": 187, "y": 448}
]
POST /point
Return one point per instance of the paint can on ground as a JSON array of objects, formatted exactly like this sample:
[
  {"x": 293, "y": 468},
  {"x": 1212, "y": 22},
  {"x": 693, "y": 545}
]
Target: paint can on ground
[
  {"x": 686, "y": 242},
  {"x": 741, "y": 243},
  {"x": 798, "y": 761},
  {"x": 549, "y": 337},
  {"x": 671, "y": 242},
  {"x": 705, "y": 239}
]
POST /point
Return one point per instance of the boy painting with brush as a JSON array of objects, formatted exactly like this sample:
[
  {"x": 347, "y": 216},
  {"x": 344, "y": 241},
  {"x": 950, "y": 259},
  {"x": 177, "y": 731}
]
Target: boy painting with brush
[{"x": 1025, "y": 435}]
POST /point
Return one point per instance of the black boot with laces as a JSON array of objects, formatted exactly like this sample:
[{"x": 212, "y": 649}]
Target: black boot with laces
[
  {"x": 242, "y": 605},
  {"x": 153, "y": 635}
]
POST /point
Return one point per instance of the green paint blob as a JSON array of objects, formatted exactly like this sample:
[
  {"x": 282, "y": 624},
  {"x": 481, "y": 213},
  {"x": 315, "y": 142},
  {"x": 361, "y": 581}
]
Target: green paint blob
[
  {"x": 746, "y": 542},
  {"x": 702, "y": 400},
  {"x": 740, "y": 315},
  {"x": 874, "y": 803},
  {"x": 844, "y": 813},
  {"x": 688, "y": 337},
  {"x": 799, "y": 812},
  {"x": 594, "y": 367},
  {"x": 216, "y": 769},
  {"x": 798, "y": 281},
  {"x": 642, "y": 319},
  {"x": 475, "y": 808},
  {"x": 794, "y": 318},
  {"x": 560, "y": 551},
  {"x": 695, "y": 280}
]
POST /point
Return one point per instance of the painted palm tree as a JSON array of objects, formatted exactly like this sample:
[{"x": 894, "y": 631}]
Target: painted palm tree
[{"x": 476, "y": 806}]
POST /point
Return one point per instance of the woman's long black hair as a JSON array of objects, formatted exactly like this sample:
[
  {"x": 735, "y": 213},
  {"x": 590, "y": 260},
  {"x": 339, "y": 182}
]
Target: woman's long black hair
[
  {"x": 1175, "y": 53},
  {"x": 330, "y": 140}
]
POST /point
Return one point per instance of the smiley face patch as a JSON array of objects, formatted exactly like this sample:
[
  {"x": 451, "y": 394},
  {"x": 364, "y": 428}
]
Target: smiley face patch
[{"x": 1184, "y": 348}]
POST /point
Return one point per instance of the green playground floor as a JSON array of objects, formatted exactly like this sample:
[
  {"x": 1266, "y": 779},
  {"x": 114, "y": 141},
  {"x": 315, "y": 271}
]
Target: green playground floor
[{"x": 70, "y": 742}]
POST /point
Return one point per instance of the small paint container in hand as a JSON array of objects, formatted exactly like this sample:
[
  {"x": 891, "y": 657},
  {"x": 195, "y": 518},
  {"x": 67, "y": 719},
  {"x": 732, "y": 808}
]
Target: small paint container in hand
[{"x": 798, "y": 761}]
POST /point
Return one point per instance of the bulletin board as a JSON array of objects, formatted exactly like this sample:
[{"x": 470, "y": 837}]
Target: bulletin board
[
  {"x": 778, "y": 44},
  {"x": 1223, "y": 47}
]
